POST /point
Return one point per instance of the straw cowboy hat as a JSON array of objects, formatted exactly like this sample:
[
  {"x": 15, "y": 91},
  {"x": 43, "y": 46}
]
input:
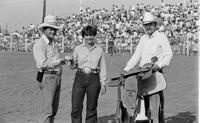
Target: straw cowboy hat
[
  {"x": 149, "y": 18},
  {"x": 50, "y": 21}
]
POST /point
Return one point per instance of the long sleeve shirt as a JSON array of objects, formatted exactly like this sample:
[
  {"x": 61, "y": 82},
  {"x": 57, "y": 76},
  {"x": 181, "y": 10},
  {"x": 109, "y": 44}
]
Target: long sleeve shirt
[
  {"x": 91, "y": 58},
  {"x": 46, "y": 55},
  {"x": 155, "y": 45}
]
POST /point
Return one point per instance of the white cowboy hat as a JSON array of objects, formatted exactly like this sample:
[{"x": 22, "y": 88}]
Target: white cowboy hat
[
  {"x": 50, "y": 21},
  {"x": 148, "y": 18}
]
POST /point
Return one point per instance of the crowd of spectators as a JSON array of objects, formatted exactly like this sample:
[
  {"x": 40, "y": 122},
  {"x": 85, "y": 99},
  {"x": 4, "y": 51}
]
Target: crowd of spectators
[{"x": 122, "y": 26}]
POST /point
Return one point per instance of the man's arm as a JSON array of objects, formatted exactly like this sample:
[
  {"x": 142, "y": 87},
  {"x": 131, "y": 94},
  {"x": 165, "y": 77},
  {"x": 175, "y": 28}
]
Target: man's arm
[
  {"x": 39, "y": 54},
  {"x": 135, "y": 58},
  {"x": 167, "y": 53},
  {"x": 103, "y": 73},
  {"x": 40, "y": 57}
]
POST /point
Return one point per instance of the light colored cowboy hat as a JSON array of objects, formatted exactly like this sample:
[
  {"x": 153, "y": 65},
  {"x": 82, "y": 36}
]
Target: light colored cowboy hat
[
  {"x": 50, "y": 21},
  {"x": 149, "y": 18}
]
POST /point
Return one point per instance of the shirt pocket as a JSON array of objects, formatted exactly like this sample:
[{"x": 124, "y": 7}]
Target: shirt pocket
[{"x": 156, "y": 50}]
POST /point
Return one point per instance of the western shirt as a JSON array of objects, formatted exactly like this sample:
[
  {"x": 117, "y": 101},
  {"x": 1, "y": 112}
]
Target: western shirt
[
  {"x": 149, "y": 46},
  {"x": 91, "y": 58},
  {"x": 45, "y": 54}
]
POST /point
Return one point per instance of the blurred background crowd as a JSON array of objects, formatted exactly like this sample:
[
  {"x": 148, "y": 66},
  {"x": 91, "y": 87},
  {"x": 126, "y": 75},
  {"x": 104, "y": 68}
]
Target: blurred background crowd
[{"x": 119, "y": 29}]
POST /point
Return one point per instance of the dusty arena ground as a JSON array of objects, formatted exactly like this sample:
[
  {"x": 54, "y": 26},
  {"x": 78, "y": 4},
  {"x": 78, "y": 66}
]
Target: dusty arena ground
[{"x": 19, "y": 93}]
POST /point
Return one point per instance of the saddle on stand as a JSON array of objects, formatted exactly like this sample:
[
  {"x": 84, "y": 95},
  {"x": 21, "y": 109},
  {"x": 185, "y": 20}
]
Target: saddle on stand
[{"x": 150, "y": 82}]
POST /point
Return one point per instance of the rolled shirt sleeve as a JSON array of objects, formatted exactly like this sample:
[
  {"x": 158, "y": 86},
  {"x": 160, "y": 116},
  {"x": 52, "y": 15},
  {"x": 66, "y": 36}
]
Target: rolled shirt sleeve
[
  {"x": 75, "y": 53},
  {"x": 50, "y": 64},
  {"x": 39, "y": 53},
  {"x": 102, "y": 67},
  {"x": 135, "y": 58},
  {"x": 166, "y": 56}
]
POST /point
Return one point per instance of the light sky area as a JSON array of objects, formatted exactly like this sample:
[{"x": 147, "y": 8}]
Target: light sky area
[{"x": 18, "y": 13}]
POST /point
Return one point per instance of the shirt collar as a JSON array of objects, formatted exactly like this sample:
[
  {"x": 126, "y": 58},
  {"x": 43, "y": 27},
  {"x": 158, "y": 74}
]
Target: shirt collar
[
  {"x": 93, "y": 47},
  {"x": 45, "y": 39},
  {"x": 154, "y": 34}
]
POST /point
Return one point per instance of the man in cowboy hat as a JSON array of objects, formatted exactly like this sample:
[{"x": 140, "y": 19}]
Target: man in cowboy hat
[
  {"x": 49, "y": 68},
  {"x": 151, "y": 44}
]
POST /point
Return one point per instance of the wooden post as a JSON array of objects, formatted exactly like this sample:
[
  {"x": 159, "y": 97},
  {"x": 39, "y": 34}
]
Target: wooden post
[
  {"x": 11, "y": 43},
  {"x": 63, "y": 46},
  {"x": 183, "y": 45},
  {"x": 44, "y": 10},
  {"x": 131, "y": 47},
  {"x": 25, "y": 41},
  {"x": 187, "y": 45},
  {"x": 106, "y": 44},
  {"x": 81, "y": 6}
]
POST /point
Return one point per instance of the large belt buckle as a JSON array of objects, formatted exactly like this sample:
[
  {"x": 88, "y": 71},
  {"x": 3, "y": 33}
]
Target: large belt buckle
[{"x": 87, "y": 70}]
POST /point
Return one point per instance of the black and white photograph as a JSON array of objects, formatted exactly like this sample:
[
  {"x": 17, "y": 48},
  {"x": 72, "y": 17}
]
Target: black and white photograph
[{"x": 99, "y": 61}]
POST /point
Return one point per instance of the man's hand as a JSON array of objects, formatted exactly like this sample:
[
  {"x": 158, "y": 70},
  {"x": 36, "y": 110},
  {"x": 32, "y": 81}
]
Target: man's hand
[
  {"x": 63, "y": 60},
  {"x": 155, "y": 68},
  {"x": 147, "y": 66},
  {"x": 69, "y": 58},
  {"x": 123, "y": 72},
  {"x": 73, "y": 64}
]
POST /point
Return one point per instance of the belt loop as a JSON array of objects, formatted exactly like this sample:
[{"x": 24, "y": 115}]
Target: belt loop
[{"x": 51, "y": 72}]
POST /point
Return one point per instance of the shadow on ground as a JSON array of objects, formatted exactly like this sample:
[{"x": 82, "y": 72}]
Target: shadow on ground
[
  {"x": 106, "y": 119},
  {"x": 183, "y": 117}
]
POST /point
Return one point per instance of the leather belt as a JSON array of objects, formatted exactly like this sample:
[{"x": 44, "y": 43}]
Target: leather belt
[
  {"x": 51, "y": 72},
  {"x": 88, "y": 70}
]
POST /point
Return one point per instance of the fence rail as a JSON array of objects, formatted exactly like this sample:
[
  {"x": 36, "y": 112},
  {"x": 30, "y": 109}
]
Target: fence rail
[{"x": 120, "y": 45}]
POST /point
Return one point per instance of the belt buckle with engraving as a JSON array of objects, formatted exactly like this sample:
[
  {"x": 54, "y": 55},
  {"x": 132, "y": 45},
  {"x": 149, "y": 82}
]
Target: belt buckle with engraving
[{"x": 87, "y": 70}]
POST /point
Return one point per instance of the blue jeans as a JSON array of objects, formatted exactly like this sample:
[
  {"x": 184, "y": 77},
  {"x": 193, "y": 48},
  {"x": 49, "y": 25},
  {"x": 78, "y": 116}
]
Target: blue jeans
[{"x": 88, "y": 84}]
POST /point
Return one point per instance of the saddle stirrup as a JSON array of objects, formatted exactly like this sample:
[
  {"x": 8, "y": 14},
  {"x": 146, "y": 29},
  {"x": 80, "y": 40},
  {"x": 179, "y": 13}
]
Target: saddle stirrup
[{"x": 141, "y": 115}]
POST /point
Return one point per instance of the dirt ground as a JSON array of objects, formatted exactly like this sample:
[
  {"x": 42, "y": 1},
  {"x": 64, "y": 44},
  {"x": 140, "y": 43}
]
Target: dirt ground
[{"x": 19, "y": 93}]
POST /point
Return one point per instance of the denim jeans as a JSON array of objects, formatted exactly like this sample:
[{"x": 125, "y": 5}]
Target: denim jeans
[
  {"x": 89, "y": 85},
  {"x": 51, "y": 93}
]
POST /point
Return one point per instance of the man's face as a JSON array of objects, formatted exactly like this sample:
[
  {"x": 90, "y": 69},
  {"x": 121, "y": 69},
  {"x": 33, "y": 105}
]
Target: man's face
[
  {"x": 50, "y": 32},
  {"x": 150, "y": 28},
  {"x": 89, "y": 39}
]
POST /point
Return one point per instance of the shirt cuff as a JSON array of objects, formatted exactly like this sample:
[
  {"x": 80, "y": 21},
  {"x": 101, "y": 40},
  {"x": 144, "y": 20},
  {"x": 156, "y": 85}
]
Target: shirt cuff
[
  {"x": 58, "y": 61},
  {"x": 126, "y": 69},
  {"x": 103, "y": 83},
  {"x": 159, "y": 65}
]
